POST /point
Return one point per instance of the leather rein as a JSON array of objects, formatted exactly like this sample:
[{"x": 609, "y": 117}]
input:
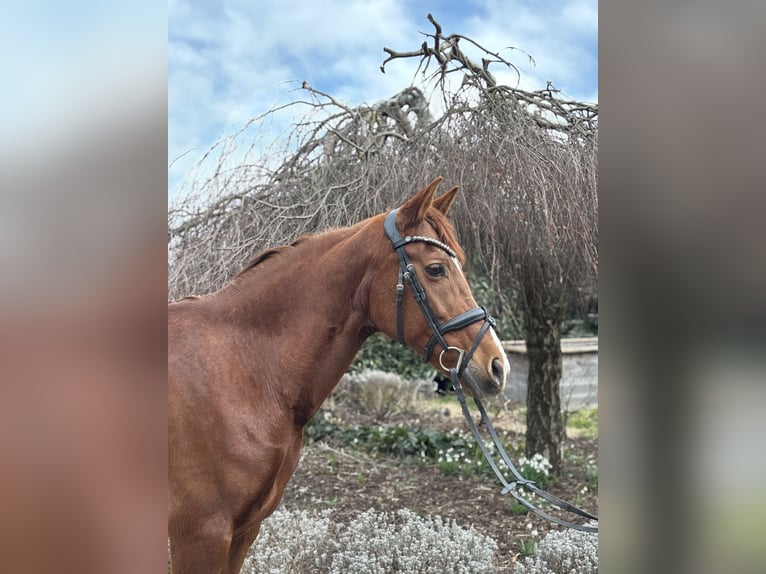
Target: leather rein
[{"x": 407, "y": 274}]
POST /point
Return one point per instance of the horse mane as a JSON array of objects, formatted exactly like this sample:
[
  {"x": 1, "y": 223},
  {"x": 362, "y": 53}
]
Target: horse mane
[
  {"x": 270, "y": 253},
  {"x": 187, "y": 298},
  {"x": 445, "y": 233}
]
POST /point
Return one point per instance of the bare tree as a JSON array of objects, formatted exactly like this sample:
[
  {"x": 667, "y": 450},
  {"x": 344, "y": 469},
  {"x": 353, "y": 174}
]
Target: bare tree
[
  {"x": 527, "y": 161},
  {"x": 533, "y": 169},
  {"x": 336, "y": 166}
]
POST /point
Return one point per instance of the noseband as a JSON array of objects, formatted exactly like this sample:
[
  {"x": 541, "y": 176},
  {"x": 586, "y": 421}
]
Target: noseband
[{"x": 407, "y": 273}]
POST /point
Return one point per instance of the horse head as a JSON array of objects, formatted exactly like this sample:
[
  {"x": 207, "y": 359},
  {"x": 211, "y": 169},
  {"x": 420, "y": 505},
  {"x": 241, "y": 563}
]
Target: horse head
[{"x": 430, "y": 307}]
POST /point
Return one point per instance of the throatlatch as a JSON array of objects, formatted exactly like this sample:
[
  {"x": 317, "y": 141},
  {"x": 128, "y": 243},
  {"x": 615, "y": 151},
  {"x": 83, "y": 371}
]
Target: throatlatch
[{"x": 407, "y": 274}]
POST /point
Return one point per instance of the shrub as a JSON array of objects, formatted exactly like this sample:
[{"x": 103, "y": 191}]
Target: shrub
[
  {"x": 380, "y": 394},
  {"x": 371, "y": 543},
  {"x": 294, "y": 542},
  {"x": 404, "y": 542},
  {"x": 563, "y": 552},
  {"x": 379, "y": 353}
]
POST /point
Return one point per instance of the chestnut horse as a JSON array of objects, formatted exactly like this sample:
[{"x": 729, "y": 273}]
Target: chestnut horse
[{"x": 250, "y": 364}]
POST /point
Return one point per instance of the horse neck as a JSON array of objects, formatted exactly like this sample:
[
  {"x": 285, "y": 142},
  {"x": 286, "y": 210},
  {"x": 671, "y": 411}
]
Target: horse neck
[{"x": 305, "y": 311}]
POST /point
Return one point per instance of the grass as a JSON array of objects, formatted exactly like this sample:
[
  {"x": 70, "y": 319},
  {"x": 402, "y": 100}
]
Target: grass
[
  {"x": 583, "y": 423},
  {"x": 592, "y": 473},
  {"x": 527, "y": 547},
  {"x": 517, "y": 509}
]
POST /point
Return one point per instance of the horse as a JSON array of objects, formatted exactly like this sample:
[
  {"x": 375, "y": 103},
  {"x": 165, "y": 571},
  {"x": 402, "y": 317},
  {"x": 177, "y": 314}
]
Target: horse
[{"x": 249, "y": 365}]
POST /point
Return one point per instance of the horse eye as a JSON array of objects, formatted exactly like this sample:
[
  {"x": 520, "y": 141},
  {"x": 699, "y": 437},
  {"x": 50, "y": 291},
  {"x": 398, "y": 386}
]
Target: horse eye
[{"x": 436, "y": 270}]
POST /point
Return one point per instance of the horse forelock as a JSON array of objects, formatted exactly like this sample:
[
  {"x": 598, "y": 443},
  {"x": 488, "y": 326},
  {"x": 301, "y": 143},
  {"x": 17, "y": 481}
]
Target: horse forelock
[{"x": 445, "y": 232}]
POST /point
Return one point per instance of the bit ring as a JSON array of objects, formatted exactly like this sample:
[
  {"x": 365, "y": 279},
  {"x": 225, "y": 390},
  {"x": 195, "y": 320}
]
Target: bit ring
[{"x": 461, "y": 353}]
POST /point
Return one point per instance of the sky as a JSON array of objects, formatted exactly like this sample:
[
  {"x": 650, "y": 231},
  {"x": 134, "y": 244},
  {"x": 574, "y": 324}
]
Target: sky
[{"x": 231, "y": 60}]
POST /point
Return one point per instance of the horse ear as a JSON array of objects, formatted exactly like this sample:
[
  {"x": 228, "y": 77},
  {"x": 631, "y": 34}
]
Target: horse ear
[
  {"x": 417, "y": 206},
  {"x": 444, "y": 203}
]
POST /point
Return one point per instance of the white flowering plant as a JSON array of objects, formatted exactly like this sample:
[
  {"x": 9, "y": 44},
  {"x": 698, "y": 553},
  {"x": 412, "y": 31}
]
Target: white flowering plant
[
  {"x": 561, "y": 552},
  {"x": 537, "y": 469},
  {"x": 371, "y": 543}
]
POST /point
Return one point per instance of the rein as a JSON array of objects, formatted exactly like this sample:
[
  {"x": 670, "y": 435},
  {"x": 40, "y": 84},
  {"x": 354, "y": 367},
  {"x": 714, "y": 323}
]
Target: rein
[{"x": 407, "y": 273}]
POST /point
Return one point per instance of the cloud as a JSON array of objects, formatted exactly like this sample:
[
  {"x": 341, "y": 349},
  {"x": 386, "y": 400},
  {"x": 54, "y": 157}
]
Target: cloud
[
  {"x": 234, "y": 60},
  {"x": 561, "y": 37},
  {"x": 231, "y": 63}
]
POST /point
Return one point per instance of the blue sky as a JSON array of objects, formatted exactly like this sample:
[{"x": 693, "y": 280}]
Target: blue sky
[{"x": 232, "y": 60}]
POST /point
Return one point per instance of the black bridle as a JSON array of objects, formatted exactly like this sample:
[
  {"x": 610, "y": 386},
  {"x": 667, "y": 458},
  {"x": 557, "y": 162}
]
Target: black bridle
[{"x": 407, "y": 274}]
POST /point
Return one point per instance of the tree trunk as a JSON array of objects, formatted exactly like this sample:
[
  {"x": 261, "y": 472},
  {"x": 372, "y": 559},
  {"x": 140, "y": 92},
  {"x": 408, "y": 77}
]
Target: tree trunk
[{"x": 545, "y": 430}]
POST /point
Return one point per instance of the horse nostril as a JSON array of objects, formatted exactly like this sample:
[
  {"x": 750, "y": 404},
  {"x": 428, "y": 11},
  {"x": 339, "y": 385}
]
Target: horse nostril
[{"x": 497, "y": 371}]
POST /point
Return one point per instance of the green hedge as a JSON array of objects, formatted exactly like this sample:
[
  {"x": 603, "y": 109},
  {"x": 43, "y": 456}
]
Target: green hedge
[{"x": 382, "y": 354}]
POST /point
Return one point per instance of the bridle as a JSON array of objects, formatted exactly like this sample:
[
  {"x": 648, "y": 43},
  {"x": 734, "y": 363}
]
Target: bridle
[
  {"x": 438, "y": 330},
  {"x": 407, "y": 273}
]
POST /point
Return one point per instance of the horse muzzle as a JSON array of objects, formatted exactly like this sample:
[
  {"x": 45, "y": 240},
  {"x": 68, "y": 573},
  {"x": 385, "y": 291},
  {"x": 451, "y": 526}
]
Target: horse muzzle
[{"x": 484, "y": 381}]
